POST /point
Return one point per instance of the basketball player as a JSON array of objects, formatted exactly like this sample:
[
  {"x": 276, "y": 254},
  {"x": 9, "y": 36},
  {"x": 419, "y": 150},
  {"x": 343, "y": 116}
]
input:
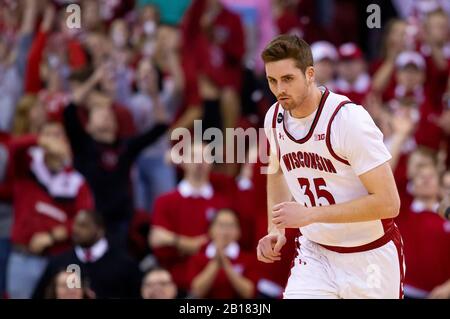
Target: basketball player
[{"x": 335, "y": 185}]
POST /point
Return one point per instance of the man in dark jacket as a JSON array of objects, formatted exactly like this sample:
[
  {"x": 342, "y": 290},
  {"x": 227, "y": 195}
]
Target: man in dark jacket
[{"x": 110, "y": 272}]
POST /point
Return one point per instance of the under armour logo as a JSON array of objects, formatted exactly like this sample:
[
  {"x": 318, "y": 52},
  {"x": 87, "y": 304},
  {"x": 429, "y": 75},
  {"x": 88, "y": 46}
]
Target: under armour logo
[{"x": 281, "y": 136}]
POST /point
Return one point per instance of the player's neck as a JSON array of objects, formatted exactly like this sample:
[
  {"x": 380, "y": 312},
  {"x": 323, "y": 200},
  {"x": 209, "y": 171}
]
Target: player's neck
[{"x": 309, "y": 105}]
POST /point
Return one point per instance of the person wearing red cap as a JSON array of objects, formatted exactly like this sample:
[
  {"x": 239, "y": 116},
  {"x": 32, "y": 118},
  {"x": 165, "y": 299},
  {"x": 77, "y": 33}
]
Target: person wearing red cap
[
  {"x": 55, "y": 193},
  {"x": 353, "y": 80}
]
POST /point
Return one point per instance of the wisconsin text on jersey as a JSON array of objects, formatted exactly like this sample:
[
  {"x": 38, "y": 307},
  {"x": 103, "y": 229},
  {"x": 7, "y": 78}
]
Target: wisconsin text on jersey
[{"x": 299, "y": 159}]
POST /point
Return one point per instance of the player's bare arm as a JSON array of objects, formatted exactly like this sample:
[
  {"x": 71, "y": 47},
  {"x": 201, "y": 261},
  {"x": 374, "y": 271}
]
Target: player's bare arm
[
  {"x": 269, "y": 247},
  {"x": 381, "y": 202}
]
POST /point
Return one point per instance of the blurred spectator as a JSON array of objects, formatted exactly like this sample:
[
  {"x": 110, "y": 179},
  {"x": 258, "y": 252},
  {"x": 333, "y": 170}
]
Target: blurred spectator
[
  {"x": 43, "y": 218},
  {"x": 59, "y": 288},
  {"x": 33, "y": 81},
  {"x": 118, "y": 76},
  {"x": 91, "y": 18},
  {"x": 417, "y": 8},
  {"x": 287, "y": 18},
  {"x": 410, "y": 77},
  {"x": 445, "y": 184},
  {"x": 30, "y": 116},
  {"x": 193, "y": 203},
  {"x": 110, "y": 272},
  {"x": 6, "y": 213},
  {"x": 158, "y": 284},
  {"x": 221, "y": 269},
  {"x": 214, "y": 35},
  {"x": 171, "y": 12},
  {"x": 444, "y": 207},
  {"x": 13, "y": 62},
  {"x": 441, "y": 291},
  {"x": 325, "y": 57},
  {"x": 426, "y": 237},
  {"x": 259, "y": 25},
  {"x": 154, "y": 175},
  {"x": 383, "y": 69},
  {"x": 105, "y": 158},
  {"x": 352, "y": 80},
  {"x": 272, "y": 277},
  {"x": 399, "y": 138},
  {"x": 435, "y": 47}
]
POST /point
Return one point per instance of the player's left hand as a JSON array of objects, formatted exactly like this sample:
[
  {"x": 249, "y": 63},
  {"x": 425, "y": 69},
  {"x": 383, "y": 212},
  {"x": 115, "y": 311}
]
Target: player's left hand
[{"x": 290, "y": 215}]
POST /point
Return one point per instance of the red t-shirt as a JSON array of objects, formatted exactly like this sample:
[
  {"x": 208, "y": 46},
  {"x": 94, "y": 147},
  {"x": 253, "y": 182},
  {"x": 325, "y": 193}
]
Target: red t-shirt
[
  {"x": 436, "y": 78},
  {"x": 219, "y": 55},
  {"x": 428, "y": 133},
  {"x": 187, "y": 216},
  {"x": 426, "y": 239},
  {"x": 221, "y": 288}
]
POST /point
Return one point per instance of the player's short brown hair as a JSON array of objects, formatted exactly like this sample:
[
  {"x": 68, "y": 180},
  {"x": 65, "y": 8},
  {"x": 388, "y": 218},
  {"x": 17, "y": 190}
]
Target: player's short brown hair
[{"x": 288, "y": 47}]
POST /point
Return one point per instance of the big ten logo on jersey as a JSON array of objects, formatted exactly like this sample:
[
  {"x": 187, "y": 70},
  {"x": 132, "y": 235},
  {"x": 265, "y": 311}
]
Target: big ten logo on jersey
[{"x": 319, "y": 137}]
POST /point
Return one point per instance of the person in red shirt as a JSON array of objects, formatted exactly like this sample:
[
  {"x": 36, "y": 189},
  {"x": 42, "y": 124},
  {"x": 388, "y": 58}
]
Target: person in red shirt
[
  {"x": 426, "y": 237},
  {"x": 410, "y": 74},
  {"x": 435, "y": 48},
  {"x": 181, "y": 218},
  {"x": 213, "y": 48},
  {"x": 48, "y": 193},
  {"x": 353, "y": 80},
  {"x": 221, "y": 270}
]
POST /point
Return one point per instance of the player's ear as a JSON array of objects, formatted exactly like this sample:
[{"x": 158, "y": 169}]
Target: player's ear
[{"x": 310, "y": 74}]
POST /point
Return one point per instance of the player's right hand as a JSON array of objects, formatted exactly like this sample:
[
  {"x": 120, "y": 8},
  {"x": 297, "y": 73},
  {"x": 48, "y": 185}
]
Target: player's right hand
[{"x": 269, "y": 247}]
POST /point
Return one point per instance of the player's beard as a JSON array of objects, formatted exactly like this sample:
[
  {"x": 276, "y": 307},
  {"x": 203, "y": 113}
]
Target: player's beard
[{"x": 292, "y": 103}]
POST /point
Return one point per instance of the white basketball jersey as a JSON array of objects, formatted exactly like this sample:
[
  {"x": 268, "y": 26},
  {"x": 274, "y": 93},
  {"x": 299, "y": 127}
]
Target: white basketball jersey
[{"x": 317, "y": 176}]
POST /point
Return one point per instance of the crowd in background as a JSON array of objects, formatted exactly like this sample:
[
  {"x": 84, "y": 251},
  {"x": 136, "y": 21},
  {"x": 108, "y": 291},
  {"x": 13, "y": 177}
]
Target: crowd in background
[{"x": 86, "y": 116}]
